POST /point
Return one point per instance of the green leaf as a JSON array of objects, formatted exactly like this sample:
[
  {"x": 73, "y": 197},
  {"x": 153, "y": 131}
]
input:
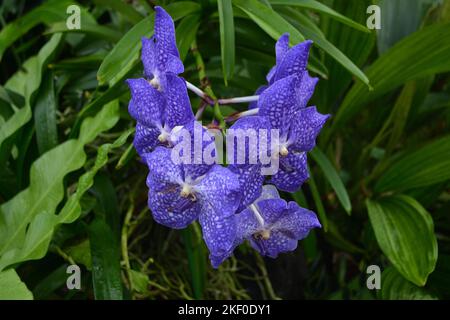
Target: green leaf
[
  {"x": 105, "y": 253},
  {"x": 27, "y": 220},
  {"x": 81, "y": 253},
  {"x": 268, "y": 20},
  {"x": 397, "y": 25},
  {"x": 275, "y": 25},
  {"x": 395, "y": 287},
  {"x": 356, "y": 45},
  {"x": 417, "y": 56},
  {"x": 72, "y": 208},
  {"x": 226, "y": 20},
  {"x": 125, "y": 53},
  {"x": 197, "y": 258},
  {"x": 49, "y": 12},
  {"x": 45, "y": 116},
  {"x": 318, "y": 202},
  {"x": 333, "y": 178},
  {"x": 185, "y": 33},
  {"x": 55, "y": 280},
  {"x": 95, "y": 30},
  {"x": 140, "y": 281},
  {"x": 423, "y": 167},
  {"x": 405, "y": 233},
  {"x": 126, "y": 9},
  {"x": 317, "y": 6},
  {"x": 12, "y": 288},
  {"x": 25, "y": 83}
]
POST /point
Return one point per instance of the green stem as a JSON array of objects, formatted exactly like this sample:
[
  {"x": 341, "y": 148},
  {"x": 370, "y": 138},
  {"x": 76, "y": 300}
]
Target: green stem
[
  {"x": 206, "y": 85},
  {"x": 124, "y": 244}
]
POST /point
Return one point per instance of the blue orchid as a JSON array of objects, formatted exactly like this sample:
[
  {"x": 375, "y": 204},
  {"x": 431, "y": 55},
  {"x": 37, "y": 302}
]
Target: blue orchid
[
  {"x": 160, "y": 53},
  {"x": 181, "y": 193},
  {"x": 289, "y": 61},
  {"x": 271, "y": 225},
  {"x": 156, "y": 114},
  {"x": 284, "y": 104}
]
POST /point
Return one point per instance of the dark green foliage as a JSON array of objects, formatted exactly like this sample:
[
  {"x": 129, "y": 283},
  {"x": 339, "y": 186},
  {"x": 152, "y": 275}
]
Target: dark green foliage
[{"x": 72, "y": 189}]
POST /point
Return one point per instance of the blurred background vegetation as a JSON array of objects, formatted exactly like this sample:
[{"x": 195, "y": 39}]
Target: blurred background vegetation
[{"x": 72, "y": 189}]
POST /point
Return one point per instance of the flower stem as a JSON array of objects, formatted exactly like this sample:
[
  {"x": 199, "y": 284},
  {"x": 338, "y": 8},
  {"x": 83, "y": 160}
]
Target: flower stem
[
  {"x": 199, "y": 92},
  {"x": 206, "y": 85},
  {"x": 239, "y": 115},
  {"x": 238, "y": 100}
]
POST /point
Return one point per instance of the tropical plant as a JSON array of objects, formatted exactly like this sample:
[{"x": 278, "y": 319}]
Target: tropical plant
[{"x": 73, "y": 189}]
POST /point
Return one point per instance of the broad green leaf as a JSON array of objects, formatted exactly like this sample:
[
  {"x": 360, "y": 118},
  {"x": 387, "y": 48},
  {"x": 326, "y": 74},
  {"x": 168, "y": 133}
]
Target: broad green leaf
[
  {"x": 333, "y": 178},
  {"x": 72, "y": 208},
  {"x": 25, "y": 83},
  {"x": 49, "y": 12},
  {"x": 405, "y": 233},
  {"x": 416, "y": 56},
  {"x": 27, "y": 221},
  {"x": 45, "y": 115},
  {"x": 423, "y": 167},
  {"x": 12, "y": 288},
  {"x": 395, "y": 287},
  {"x": 105, "y": 253},
  {"x": 125, "y": 53},
  {"x": 317, "y": 6},
  {"x": 226, "y": 21},
  {"x": 185, "y": 33}
]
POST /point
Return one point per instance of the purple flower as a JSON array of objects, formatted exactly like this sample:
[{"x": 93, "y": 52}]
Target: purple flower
[
  {"x": 180, "y": 193},
  {"x": 159, "y": 53},
  {"x": 289, "y": 61},
  {"x": 284, "y": 104},
  {"x": 157, "y": 114},
  {"x": 271, "y": 225}
]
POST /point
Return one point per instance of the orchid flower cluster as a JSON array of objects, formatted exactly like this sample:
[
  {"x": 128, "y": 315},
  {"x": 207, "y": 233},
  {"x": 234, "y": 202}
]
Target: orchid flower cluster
[{"x": 237, "y": 202}]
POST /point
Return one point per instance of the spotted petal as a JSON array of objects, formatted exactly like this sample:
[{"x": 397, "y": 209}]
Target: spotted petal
[
  {"x": 282, "y": 47},
  {"x": 308, "y": 123},
  {"x": 254, "y": 104},
  {"x": 277, "y": 243},
  {"x": 297, "y": 221},
  {"x": 145, "y": 138},
  {"x": 250, "y": 180},
  {"x": 294, "y": 61},
  {"x": 179, "y": 111},
  {"x": 278, "y": 103},
  {"x": 219, "y": 196},
  {"x": 147, "y": 103},
  {"x": 162, "y": 170},
  {"x": 244, "y": 139},
  {"x": 292, "y": 173},
  {"x": 193, "y": 144},
  {"x": 305, "y": 89},
  {"x": 170, "y": 209},
  {"x": 148, "y": 57},
  {"x": 165, "y": 32}
]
